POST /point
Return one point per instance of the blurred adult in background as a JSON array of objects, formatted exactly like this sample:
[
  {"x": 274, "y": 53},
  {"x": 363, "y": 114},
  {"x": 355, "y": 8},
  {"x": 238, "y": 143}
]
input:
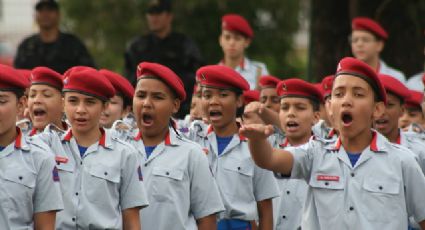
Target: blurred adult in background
[
  {"x": 51, "y": 47},
  {"x": 367, "y": 42},
  {"x": 167, "y": 47},
  {"x": 415, "y": 81}
]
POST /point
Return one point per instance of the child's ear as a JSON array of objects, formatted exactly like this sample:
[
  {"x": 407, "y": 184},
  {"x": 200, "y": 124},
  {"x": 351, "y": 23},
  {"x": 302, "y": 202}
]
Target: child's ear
[
  {"x": 379, "y": 109},
  {"x": 22, "y": 102},
  {"x": 247, "y": 42},
  {"x": 239, "y": 101},
  {"x": 176, "y": 105},
  {"x": 316, "y": 117}
]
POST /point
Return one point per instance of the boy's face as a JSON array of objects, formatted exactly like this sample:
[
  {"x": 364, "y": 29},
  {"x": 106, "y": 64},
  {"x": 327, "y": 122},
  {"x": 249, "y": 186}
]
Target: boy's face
[
  {"x": 45, "y": 106},
  {"x": 219, "y": 106},
  {"x": 9, "y": 106},
  {"x": 297, "y": 117},
  {"x": 269, "y": 97},
  {"x": 411, "y": 115},
  {"x": 153, "y": 105},
  {"x": 83, "y": 112},
  {"x": 365, "y": 46},
  {"x": 233, "y": 44},
  {"x": 388, "y": 121},
  {"x": 196, "y": 108},
  {"x": 114, "y": 111},
  {"x": 352, "y": 106}
]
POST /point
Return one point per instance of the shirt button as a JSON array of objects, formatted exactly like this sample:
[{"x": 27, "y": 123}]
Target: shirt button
[
  {"x": 284, "y": 217},
  {"x": 105, "y": 173},
  {"x": 326, "y": 183},
  {"x": 76, "y": 193},
  {"x": 380, "y": 187},
  {"x": 351, "y": 208},
  {"x": 81, "y": 163},
  {"x": 73, "y": 219},
  {"x": 167, "y": 173},
  {"x": 20, "y": 177},
  {"x": 352, "y": 174},
  {"x": 146, "y": 165},
  {"x": 239, "y": 168},
  {"x": 287, "y": 192}
]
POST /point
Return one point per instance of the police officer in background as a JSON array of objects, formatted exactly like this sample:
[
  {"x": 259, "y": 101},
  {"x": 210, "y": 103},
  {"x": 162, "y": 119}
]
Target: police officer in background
[
  {"x": 51, "y": 47},
  {"x": 164, "y": 46}
]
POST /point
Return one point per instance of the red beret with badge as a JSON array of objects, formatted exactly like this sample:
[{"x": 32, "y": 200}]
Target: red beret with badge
[
  {"x": 367, "y": 24},
  {"x": 223, "y": 77},
  {"x": 86, "y": 80},
  {"x": 415, "y": 100},
  {"x": 296, "y": 87},
  {"x": 394, "y": 86},
  {"x": 268, "y": 81},
  {"x": 149, "y": 69},
  {"x": 327, "y": 85},
  {"x": 120, "y": 83},
  {"x": 236, "y": 23},
  {"x": 250, "y": 96},
  {"x": 25, "y": 73},
  {"x": 356, "y": 68},
  {"x": 11, "y": 79},
  {"x": 46, "y": 76}
]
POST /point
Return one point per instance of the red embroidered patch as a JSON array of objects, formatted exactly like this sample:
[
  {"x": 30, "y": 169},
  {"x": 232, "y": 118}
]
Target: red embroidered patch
[{"x": 327, "y": 178}]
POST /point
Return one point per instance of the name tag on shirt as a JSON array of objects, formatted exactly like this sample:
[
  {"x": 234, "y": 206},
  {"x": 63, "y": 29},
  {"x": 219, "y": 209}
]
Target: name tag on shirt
[{"x": 327, "y": 178}]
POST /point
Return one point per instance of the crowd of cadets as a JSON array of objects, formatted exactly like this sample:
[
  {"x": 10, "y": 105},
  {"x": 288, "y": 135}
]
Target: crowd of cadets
[{"x": 86, "y": 150}]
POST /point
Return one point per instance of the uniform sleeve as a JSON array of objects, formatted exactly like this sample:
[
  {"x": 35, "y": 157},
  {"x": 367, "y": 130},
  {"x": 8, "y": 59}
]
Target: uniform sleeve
[
  {"x": 265, "y": 185},
  {"x": 303, "y": 160},
  {"x": 132, "y": 190},
  {"x": 414, "y": 184},
  {"x": 47, "y": 195},
  {"x": 204, "y": 194}
]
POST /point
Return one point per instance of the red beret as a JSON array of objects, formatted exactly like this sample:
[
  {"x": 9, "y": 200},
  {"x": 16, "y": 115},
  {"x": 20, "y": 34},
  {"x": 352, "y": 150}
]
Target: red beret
[
  {"x": 88, "y": 81},
  {"x": 327, "y": 85},
  {"x": 120, "y": 83},
  {"x": 46, "y": 76},
  {"x": 11, "y": 79},
  {"x": 357, "y": 68},
  {"x": 234, "y": 22},
  {"x": 268, "y": 81},
  {"x": 295, "y": 87},
  {"x": 165, "y": 74},
  {"x": 394, "y": 86},
  {"x": 362, "y": 23},
  {"x": 221, "y": 76},
  {"x": 250, "y": 96},
  {"x": 415, "y": 100},
  {"x": 26, "y": 73},
  {"x": 319, "y": 87}
]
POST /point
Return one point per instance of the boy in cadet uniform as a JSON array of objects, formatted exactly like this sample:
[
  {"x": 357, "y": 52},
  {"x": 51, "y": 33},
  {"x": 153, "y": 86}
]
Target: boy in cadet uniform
[
  {"x": 246, "y": 190},
  {"x": 413, "y": 118},
  {"x": 323, "y": 128},
  {"x": 299, "y": 111},
  {"x": 236, "y": 36},
  {"x": 362, "y": 181},
  {"x": 367, "y": 42},
  {"x": 119, "y": 106},
  {"x": 268, "y": 94},
  {"x": 30, "y": 194},
  {"x": 181, "y": 189},
  {"x": 100, "y": 175},
  {"x": 45, "y": 101},
  {"x": 387, "y": 123}
]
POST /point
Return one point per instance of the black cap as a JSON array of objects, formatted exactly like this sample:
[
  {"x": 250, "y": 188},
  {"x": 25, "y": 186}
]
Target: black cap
[
  {"x": 159, "y": 6},
  {"x": 50, "y": 4}
]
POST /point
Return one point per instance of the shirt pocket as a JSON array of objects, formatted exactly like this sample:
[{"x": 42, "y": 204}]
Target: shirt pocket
[
  {"x": 237, "y": 180},
  {"x": 102, "y": 183},
  {"x": 165, "y": 183},
  {"x": 326, "y": 193},
  {"x": 381, "y": 194},
  {"x": 18, "y": 188}
]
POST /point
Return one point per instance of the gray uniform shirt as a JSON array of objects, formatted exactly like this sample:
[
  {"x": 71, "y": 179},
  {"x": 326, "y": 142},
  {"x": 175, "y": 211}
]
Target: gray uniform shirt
[
  {"x": 29, "y": 183},
  {"x": 99, "y": 185},
  {"x": 180, "y": 185},
  {"x": 384, "y": 187}
]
